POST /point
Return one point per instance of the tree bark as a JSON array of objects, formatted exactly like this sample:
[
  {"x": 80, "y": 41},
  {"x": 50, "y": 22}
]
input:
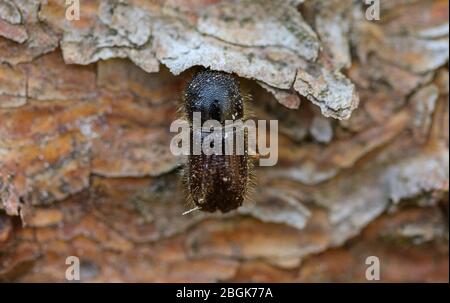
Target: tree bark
[{"x": 363, "y": 160}]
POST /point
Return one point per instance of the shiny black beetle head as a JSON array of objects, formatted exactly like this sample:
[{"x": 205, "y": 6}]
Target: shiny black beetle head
[{"x": 215, "y": 95}]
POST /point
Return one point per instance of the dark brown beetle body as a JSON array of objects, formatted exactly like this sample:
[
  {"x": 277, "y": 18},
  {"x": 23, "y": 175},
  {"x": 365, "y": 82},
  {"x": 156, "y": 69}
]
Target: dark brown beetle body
[{"x": 217, "y": 181}]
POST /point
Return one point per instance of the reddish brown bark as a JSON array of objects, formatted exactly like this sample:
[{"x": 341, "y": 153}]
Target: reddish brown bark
[{"x": 86, "y": 170}]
